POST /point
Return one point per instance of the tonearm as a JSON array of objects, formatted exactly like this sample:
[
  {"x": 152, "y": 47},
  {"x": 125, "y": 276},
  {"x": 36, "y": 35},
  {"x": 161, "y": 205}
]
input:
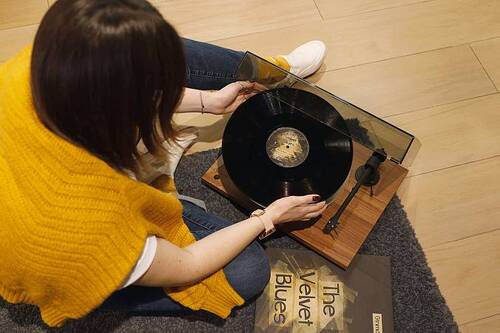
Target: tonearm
[{"x": 366, "y": 175}]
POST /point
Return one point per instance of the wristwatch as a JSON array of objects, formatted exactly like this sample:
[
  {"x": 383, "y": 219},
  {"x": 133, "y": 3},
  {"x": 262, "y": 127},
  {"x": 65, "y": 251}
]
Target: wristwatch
[{"x": 268, "y": 224}]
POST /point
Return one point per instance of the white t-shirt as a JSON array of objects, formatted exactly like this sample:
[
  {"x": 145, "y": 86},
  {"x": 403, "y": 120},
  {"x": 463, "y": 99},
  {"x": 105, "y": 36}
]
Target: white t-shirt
[
  {"x": 147, "y": 255},
  {"x": 144, "y": 261}
]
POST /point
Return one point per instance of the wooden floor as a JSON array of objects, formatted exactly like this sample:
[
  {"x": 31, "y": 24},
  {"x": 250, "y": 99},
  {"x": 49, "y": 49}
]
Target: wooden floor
[{"x": 431, "y": 67}]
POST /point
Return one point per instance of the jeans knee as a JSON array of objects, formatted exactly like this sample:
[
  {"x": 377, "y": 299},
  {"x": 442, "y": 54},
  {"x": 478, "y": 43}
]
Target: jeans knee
[
  {"x": 261, "y": 272},
  {"x": 249, "y": 273}
]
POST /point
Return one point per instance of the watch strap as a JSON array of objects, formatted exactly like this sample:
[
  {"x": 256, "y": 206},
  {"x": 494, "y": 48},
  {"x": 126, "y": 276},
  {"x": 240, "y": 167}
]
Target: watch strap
[{"x": 268, "y": 224}]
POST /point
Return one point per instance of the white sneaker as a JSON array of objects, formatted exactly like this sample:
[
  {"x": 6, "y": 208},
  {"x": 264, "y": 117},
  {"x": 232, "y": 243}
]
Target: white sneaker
[{"x": 306, "y": 59}]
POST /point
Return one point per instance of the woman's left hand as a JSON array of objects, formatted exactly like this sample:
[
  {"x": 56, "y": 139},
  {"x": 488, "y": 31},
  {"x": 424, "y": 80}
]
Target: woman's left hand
[{"x": 228, "y": 98}]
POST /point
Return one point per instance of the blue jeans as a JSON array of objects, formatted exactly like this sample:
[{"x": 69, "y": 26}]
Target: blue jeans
[{"x": 210, "y": 67}]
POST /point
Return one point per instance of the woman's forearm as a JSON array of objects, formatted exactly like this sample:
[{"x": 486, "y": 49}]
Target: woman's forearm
[
  {"x": 225, "y": 100},
  {"x": 174, "y": 266},
  {"x": 191, "y": 100},
  {"x": 219, "y": 248}
]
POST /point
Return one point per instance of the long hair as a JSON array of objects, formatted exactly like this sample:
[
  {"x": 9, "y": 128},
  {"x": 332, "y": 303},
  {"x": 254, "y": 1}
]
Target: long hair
[{"x": 106, "y": 73}]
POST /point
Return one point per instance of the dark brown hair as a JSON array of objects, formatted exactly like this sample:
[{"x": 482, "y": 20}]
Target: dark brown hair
[{"x": 105, "y": 73}]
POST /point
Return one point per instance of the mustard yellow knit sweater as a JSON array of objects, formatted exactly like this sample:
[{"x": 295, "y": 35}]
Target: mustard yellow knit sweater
[{"x": 71, "y": 227}]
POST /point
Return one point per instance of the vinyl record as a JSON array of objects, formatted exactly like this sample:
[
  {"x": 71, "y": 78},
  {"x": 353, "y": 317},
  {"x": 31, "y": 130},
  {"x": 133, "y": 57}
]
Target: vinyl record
[{"x": 271, "y": 149}]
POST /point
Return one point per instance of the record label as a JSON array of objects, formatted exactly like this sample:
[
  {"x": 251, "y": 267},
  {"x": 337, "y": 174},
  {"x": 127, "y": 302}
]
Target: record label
[{"x": 287, "y": 147}]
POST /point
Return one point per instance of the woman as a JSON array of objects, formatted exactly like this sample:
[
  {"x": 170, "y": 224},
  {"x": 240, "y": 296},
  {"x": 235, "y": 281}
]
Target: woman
[{"x": 78, "y": 232}]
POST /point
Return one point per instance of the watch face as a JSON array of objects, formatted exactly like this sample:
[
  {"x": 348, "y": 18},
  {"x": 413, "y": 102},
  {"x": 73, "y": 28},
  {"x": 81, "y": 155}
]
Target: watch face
[{"x": 258, "y": 212}]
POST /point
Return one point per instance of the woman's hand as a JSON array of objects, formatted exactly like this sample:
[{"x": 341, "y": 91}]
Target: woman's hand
[
  {"x": 228, "y": 98},
  {"x": 296, "y": 208}
]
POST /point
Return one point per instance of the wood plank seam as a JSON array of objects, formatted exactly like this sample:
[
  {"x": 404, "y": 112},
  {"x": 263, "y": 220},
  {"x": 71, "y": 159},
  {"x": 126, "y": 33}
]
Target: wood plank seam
[
  {"x": 444, "y": 106},
  {"x": 319, "y": 11},
  {"x": 478, "y": 320},
  {"x": 454, "y": 166},
  {"x": 461, "y": 239},
  {"x": 407, "y": 55},
  {"x": 484, "y": 40},
  {"x": 484, "y": 69},
  {"x": 20, "y": 26},
  {"x": 438, "y": 105},
  {"x": 375, "y": 10},
  {"x": 396, "y": 57}
]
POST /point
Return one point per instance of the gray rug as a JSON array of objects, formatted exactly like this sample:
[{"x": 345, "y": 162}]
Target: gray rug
[{"x": 418, "y": 303}]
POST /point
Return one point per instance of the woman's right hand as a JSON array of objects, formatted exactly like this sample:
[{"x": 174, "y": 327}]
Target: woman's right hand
[{"x": 296, "y": 208}]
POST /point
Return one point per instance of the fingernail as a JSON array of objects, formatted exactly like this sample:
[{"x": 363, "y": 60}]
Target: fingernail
[{"x": 316, "y": 198}]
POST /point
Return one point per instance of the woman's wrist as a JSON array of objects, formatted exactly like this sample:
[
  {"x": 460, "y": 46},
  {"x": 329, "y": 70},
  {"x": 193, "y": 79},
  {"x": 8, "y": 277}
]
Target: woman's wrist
[
  {"x": 202, "y": 103},
  {"x": 271, "y": 215},
  {"x": 266, "y": 222},
  {"x": 208, "y": 100},
  {"x": 195, "y": 100},
  {"x": 259, "y": 222}
]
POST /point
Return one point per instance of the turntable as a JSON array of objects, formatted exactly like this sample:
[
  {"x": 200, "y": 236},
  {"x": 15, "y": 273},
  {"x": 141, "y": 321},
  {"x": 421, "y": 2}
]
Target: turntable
[{"x": 294, "y": 138}]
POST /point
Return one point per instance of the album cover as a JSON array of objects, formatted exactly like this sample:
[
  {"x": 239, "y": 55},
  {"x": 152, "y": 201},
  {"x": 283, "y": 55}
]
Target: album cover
[{"x": 306, "y": 293}]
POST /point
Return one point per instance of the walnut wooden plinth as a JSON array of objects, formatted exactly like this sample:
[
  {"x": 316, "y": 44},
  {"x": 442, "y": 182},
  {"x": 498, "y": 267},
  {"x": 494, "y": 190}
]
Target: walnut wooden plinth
[{"x": 355, "y": 223}]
